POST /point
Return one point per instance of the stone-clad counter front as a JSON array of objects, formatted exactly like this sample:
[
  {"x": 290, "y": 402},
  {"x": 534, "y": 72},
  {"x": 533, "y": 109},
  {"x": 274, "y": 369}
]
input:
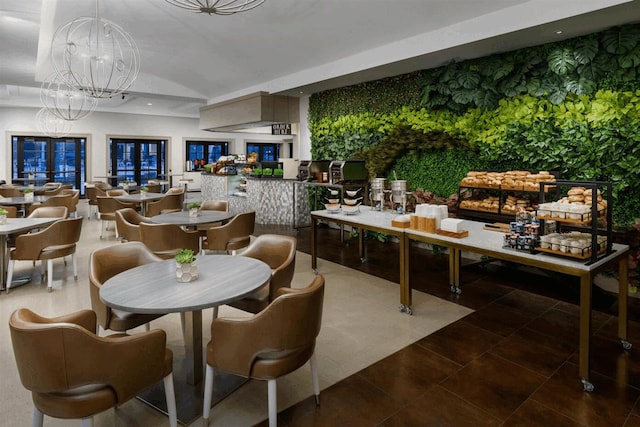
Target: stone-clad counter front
[{"x": 276, "y": 201}]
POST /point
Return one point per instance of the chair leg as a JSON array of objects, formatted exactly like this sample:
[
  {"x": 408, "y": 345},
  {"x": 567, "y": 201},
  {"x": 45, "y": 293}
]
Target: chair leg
[
  {"x": 147, "y": 326},
  {"x": 87, "y": 422},
  {"x": 101, "y": 227},
  {"x": 10, "y": 273},
  {"x": 273, "y": 403},
  {"x": 50, "y": 275},
  {"x": 75, "y": 266},
  {"x": 215, "y": 312},
  {"x": 170, "y": 396},
  {"x": 208, "y": 394},
  {"x": 314, "y": 377},
  {"x": 38, "y": 418}
]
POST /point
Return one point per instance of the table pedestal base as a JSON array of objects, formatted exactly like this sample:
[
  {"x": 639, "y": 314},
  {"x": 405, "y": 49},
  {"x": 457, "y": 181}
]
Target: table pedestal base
[{"x": 189, "y": 397}]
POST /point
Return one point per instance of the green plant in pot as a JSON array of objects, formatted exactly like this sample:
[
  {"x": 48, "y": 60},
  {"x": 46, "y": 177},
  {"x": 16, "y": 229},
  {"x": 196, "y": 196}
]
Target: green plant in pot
[
  {"x": 194, "y": 208},
  {"x": 3, "y": 216},
  {"x": 186, "y": 266},
  {"x": 257, "y": 172},
  {"x": 267, "y": 172},
  {"x": 28, "y": 193},
  {"x": 278, "y": 173},
  {"x": 144, "y": 189}
]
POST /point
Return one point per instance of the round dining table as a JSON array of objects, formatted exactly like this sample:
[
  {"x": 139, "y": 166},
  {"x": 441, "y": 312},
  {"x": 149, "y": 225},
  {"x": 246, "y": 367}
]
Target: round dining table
[
  {"x": 153, "y": 288},
  {"x": 141, "y": 198},
  {"x": 184, "y": 219}
]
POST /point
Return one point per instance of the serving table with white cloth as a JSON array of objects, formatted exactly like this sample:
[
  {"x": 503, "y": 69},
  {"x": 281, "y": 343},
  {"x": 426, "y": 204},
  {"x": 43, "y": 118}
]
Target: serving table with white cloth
[
  {"x": 153, "y": 288},
  {"x": 489, "y": 243}
]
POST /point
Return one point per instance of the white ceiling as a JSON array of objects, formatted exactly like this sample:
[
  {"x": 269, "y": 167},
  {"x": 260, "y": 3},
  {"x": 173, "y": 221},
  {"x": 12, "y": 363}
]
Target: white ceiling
[{"x": 286, "y": 46}]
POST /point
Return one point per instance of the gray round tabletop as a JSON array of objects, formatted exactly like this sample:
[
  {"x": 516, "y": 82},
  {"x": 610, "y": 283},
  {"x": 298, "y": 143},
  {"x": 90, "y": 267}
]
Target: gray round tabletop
[
  {"x": 184, "y": 219},
  {"x": 153, "y": 288}
]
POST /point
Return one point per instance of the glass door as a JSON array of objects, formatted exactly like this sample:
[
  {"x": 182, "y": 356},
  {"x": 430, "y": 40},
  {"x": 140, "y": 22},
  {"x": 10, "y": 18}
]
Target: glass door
[
  {"x": 39, "y": 159},
  {"x": 137, "y": 160}
]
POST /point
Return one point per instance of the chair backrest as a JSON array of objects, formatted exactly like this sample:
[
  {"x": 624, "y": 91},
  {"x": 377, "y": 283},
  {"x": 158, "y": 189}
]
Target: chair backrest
[
  {"x": 63, "y": 233},
  {"x": 49, "y": 212},
  {"x": 116, "y": 192},
  {"x": 10, "y": 192},
  {"x": 12, "y": 211},
  {"x": 153, "y": 188},
  {"x": 62, "y": 354},
  {"x": 215, "y": 205},
  {"x": 104, "y": 263},
  {"x": 235, "y": 234},
  {"x": 279, "y": 252},
  {"x": 288, "y": 326},
  {"x": 172, "y": 201},
  {"x": 108, "y": 206},
  {"x": 43, "y": 371},
  {"x": 165, "y": 240},
  {"x": 127, "y": 223},
  {"x": 66, "y": 200}
]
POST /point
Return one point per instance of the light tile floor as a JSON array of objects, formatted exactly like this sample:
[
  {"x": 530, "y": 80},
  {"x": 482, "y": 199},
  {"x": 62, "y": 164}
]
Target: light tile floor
[{"x": 361, "y": 325}]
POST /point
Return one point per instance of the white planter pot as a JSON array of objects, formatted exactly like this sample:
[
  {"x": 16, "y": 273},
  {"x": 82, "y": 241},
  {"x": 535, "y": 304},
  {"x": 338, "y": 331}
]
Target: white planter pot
[
  {"x": 186, "y": 272},
  {"x": 193, "y": 212},
  {"x": 3, "y": 219},
  {"x": 28, "y": 197}
]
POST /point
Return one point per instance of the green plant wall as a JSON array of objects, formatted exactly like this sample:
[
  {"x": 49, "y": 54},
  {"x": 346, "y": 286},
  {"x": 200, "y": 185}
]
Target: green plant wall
[{"x": 572, "y": 106}]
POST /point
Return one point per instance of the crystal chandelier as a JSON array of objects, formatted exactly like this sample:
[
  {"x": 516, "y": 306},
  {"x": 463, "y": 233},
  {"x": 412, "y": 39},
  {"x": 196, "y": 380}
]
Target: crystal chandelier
[
  {"x": 65, "y": 101},
  {"x": 52, "y": 125},
  {"x": 95, "y": 55},
  {"x": 219, "y": 7}
]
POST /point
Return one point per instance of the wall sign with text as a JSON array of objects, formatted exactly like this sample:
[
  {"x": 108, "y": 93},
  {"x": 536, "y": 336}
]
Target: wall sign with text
[{"x": 281, "y": 129}]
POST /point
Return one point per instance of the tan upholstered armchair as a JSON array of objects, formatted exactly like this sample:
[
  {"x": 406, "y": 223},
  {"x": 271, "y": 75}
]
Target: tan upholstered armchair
[
  {"x": 128, "y": 224},
  {"x": 166, "y": 240},
  {"x": 10, "y": 192},
  {"x": 93, "y": 191},
  {"x": 215, "y": 205},
  {"x": 107, "y": 207},
  {"x": 56, "y": 241},
  {"x": 269, "y": 345},
  {"x": 279, "y": 252},
  {"x": 50, "y": 212},
  {"x": 65, "y": 200},
  {"x": 72, "y": 373},
  {"x": 171, "y": 202},
  {"x": 105, "y": 263},
  {"x": 235, "y": 234},
  {"x": 12, "y": 211}
]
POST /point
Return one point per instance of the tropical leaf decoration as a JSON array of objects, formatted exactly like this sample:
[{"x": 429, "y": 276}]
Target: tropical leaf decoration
[
  {"x": 618, "y": 41},
  {"x": 562, "y": 60},
  {"x": 585, "y": 49}
]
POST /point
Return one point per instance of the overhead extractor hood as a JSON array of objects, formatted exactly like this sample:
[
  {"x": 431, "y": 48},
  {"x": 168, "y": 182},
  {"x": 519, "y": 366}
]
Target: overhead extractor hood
[{"x": 250, "y": 111}]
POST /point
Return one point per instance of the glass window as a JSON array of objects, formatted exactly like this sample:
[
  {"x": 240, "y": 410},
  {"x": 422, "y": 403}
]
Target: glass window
[
  {"x": 267, "y": 152},
  {"x": 209, "y": 151}
]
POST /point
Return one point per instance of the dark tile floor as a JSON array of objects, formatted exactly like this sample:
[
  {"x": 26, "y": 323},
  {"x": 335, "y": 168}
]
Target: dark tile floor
[{"x": 513, "y": 362}]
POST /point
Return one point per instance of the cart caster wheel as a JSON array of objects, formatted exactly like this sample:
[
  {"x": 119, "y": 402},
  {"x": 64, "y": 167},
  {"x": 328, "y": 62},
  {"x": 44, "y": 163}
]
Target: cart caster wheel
[
  {"x": 405, "y": 309},
  {"x": 452, "y": 289},
  {"x": 315, "y": 271},
  {"x": 626, "y": 344},
  {"x": 588, "y": 386},
  {"x": 363, "y": 260}
]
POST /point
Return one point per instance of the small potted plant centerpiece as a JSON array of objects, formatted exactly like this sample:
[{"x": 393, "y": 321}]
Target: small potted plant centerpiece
[
  {"x": 186, "y": 267},
  {"x": 28, "y": 194},
  {"x": 3, "y": 216},
  {"x": 278, "y": 173},
  {"x": 267, "y": 172},
  {"x": 194, "y": 209},
  {"x": 257, "y": 172},
  {"x": 144, "y": 189}
]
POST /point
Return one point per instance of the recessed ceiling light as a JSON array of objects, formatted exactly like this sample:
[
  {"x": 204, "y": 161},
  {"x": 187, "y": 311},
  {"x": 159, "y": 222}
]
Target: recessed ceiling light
[
  {"x": 149, "y": 103},
  {"x": 559, "y": 31}
]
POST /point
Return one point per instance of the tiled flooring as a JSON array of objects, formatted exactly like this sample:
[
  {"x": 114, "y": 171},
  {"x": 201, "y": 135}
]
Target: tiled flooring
[{"x": 513, "y": 362}]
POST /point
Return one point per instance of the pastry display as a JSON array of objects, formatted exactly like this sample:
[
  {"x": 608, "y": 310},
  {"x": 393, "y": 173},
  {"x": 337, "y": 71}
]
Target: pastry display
[
  {"x": 575, "y": 206},
  {"x": 510, "y": 180}
]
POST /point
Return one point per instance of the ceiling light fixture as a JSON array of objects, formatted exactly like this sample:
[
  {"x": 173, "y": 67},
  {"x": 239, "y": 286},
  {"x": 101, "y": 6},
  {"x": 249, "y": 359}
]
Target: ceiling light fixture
[
  {"x": 95, "y": 55},
  {"x": 64, "y": 100},
  {"x": 52, "y": 125},
  {"x": 218, "y": 7}
]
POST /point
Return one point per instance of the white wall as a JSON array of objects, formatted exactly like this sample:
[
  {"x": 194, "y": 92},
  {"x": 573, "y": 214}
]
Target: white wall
[{"x": 98, "y": 127}]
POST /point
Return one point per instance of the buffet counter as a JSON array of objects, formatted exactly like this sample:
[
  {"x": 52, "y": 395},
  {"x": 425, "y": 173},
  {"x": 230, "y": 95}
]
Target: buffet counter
[
  {"x": 489, "y": 243},
  {"x": 275, "y": 200}
]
